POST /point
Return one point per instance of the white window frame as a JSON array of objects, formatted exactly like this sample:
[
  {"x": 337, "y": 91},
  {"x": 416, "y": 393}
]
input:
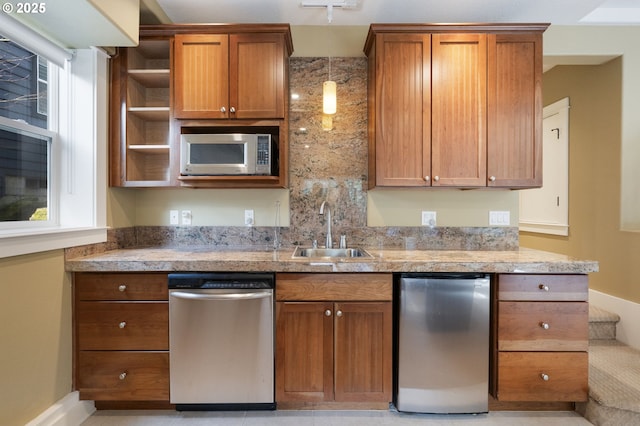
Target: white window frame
[
  {"x": 79, "y": 160},
  {"x": 52, "y": 193}
]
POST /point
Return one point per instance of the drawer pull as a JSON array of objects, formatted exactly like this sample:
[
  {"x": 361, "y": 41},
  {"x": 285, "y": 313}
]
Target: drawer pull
[
  {"x": 339, "y": 313},
  {"x": 543, "y": 287},
  {"x": 123, "y": 324},
  {"x": 123, "y": 375},
  {"x": 122, "y": 287},
  {"x": 328, "y": 312},
  {"x": 544, "y": 377},
  {"x": 545, "y": 325}
]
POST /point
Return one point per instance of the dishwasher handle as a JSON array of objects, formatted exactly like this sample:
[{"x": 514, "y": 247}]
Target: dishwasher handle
[{"x": 222, "y": 296}]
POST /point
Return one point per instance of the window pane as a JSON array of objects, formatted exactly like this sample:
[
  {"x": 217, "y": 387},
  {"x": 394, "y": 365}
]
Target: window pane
[
  {"x": 24, "y": 177},
  {"x": 23, "y": 85}
]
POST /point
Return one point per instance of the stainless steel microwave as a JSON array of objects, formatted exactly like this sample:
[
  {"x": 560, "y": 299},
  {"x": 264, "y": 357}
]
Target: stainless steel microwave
[{"x": 226, "y": 154}]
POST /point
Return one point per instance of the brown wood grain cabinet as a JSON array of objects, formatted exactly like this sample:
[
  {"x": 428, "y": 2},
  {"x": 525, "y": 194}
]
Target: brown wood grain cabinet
[
  {"x": 234, "y": 76},
  {"x": 333, "y": 345},
  {"x": 121, "y": 323},
  {"x": 208, "y": 78},
  {"x": 455, "y": 105},
  {"x": 541, "y": 338}
]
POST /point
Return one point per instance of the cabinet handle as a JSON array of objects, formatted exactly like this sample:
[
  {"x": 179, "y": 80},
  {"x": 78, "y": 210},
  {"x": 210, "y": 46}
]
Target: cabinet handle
[
  {"x": 338, "y": 313},
  {"x": 123, "y": 375},
  {"x": 426, "y": 178},
  {"x": 436, "y": 178},
  {"x": 223, "y": 110},
  {"x": 543, "y": 287},
  {"x": 232, "y": 109},
  {"x": 492, "y": 178},
  {"x": 545, "y": 325},
  {"x": 123, "y": 324},
  {"x": 122, "y": 287},
  {"x": 328, "y": 312},
  {"x": 544, "y": 377}
]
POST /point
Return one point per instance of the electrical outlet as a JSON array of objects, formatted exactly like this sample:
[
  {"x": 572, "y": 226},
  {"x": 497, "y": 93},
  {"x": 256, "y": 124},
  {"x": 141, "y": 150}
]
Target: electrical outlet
[
  {"x": 173, "y": 217},
  {"x": 186, "y": 217},
  {"x": 428, "y": 218},
  {"x": 248, "y": 217},
  {"x": 499, "y": 218}
]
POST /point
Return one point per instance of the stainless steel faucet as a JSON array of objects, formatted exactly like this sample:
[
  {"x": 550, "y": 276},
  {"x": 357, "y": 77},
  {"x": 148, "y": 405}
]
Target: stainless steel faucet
[{"x": 329, "y": 240}]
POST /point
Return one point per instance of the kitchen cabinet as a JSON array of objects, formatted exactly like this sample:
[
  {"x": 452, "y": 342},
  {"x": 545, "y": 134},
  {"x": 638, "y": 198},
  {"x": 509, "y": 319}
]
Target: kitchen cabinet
[
  {"x": 454, "y": 105},
  {"x": 333, "y": 340},
  {"x": 540, "y": 351},
  {"x": 140, "y": 146},
  {"x": 230, "y": 76},
  {"x": 121, "y": 343}
]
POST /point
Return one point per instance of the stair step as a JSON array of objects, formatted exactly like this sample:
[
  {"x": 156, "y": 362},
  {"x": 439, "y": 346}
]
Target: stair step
[
  {"x": 614, "y": 384},
  {"x": 602, "y": 324}
]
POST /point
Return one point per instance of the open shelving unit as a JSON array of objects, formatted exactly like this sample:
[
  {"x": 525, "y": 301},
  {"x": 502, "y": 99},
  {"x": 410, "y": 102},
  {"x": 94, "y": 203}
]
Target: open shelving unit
[{"x": 148, "y": 113}]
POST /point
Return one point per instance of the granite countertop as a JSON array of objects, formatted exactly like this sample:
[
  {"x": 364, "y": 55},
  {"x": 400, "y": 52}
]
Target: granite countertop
[{"x": 167, "y": 259}]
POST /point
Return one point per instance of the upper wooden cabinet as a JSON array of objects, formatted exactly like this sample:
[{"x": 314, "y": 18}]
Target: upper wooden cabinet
[
  {"x": 514, "y": 110},
  {"x": 455, "y": 105},
  {"x": 224, "y": 76}
]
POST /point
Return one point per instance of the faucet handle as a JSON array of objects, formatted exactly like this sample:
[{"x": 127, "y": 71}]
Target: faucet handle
[
  {"x": 343, "y": 241},
  {"x": 314, "y": 244}
]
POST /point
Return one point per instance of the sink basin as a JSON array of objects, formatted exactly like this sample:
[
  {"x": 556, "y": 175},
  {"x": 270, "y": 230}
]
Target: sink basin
[{"x": 325, "y": 253}]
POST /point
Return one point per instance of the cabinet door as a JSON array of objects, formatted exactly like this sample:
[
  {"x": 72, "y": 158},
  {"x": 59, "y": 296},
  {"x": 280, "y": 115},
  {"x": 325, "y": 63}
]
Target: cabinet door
[
  {"x": 458, "y": 110},
  {"x": 363, "y": 351},
  {"x": 403, "y": 110},
  {"x": 515, "y": 110},
  {"x": 257, "y": 76},
  {"x": 201, "y": 76},
  {"x": 304, "y": 351}
]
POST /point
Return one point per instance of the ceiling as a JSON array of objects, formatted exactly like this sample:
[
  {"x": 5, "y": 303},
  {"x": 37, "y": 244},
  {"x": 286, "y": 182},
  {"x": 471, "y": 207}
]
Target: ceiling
[{"x": 365, "y": 12}]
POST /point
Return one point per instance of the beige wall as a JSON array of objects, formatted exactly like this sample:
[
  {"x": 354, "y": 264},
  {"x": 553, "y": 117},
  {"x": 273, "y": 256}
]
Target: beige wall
[
  {"x": 595, "y": 94},
  {"x": 35, "y": 331}
]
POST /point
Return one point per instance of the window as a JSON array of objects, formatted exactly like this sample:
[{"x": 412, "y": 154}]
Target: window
[
  {"x": 25, "y": 142},
  {"x": 53, "y": 132}
]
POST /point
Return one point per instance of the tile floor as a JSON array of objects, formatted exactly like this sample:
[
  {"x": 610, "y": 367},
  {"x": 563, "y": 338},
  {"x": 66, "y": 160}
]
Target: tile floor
[{"x": 330, "y": 418}]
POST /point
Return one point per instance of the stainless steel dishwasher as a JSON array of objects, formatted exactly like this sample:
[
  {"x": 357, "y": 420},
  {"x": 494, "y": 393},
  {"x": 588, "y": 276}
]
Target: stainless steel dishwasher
[
  {"x": 442, "y": 343},
  {"x": 221, "y": 341}
]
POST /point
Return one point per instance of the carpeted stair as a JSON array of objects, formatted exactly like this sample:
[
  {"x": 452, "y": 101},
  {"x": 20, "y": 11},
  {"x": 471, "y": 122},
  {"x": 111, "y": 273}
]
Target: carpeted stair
[{"x": 614, "y": 375}]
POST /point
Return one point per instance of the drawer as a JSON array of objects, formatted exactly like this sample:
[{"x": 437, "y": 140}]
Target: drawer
[
  {"x": 121, "y": 286},
  {"x": 119, "y": 376},
  {"x": 520, "y": 376},
  {"x": 334, "y": 287},
  {"x": 543, "y": 287},
  {"x": 123, "y": 325},
  {"x": 543, "y": 326}
]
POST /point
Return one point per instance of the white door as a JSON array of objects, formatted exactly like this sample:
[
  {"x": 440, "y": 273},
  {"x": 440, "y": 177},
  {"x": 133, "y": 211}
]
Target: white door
[{"x": 546, "y": 209}]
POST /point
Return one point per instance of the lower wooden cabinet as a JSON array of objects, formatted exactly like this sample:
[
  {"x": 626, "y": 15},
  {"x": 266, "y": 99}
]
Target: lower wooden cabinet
[
  {"x": 542, "y": 338},
  {"x": 121, "y": 343},
  {"x": 336, "y": 351}
]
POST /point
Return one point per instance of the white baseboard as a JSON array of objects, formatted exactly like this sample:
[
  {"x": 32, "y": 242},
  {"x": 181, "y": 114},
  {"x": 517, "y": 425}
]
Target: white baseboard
[
  {"x": 627, "y": 330},
  {"x": 69, "y": 411}
]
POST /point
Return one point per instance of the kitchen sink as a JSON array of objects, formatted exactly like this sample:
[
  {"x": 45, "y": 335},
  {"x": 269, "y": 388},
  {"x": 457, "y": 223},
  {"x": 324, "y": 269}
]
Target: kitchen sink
[{"x": 329, "y": 253}]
